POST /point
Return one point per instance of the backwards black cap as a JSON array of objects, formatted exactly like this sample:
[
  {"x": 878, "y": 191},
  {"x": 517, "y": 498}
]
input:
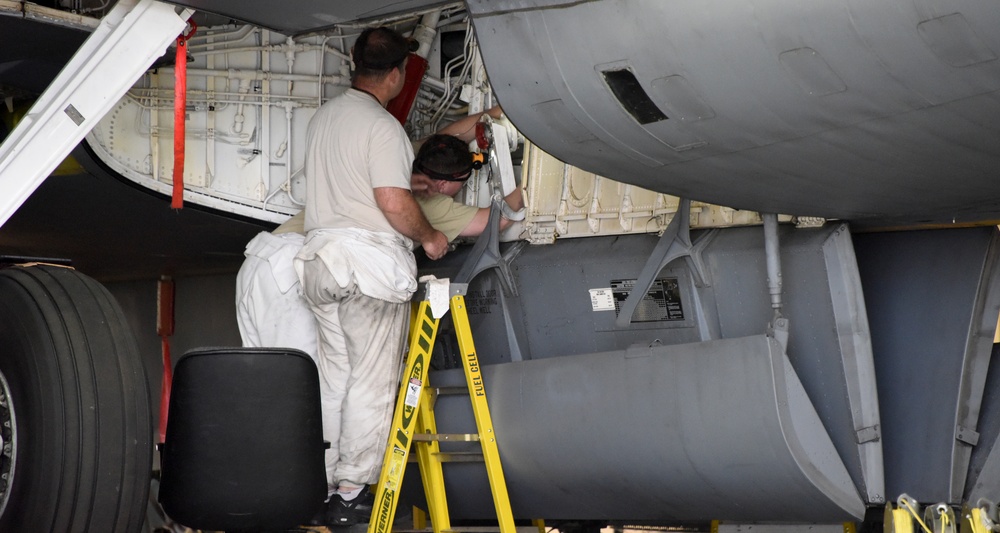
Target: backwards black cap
[{"x": 444, "y": 157}]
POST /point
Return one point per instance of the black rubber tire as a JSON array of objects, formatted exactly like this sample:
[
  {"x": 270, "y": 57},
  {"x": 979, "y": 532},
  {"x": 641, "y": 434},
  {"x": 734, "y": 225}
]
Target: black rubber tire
[{"x": 81, "y": 406}]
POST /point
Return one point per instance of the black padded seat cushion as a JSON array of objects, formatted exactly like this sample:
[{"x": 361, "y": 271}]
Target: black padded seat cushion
[{"x": 244, "y": 444}]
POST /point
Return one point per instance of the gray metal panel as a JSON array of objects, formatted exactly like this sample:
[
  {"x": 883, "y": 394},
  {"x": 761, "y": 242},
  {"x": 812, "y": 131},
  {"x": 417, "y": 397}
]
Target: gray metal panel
[
  {"x": 554, "y": 310},
  {"x": 932, "y": 302},
  {"x": 292, "y": 17},
  {"x": 984, "y": 465},
  {"x": 712, "y": 430},
  {"x": 855, "y": 342},
  {"x": 838, "y": 108},
  {"x": 829, "y": 344}
]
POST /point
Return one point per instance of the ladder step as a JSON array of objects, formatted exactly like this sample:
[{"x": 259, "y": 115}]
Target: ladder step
[
  {"x": 453, "y": 457},
  {"x": 459, "y": 457},
  {"x": 450, "y": 391},
  {"x": 446, "y": 437},
  {"x": 484, "y": 529},
  {"x": 488, "y": 529}
]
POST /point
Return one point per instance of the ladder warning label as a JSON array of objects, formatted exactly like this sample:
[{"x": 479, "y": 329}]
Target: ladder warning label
[
  {"x": 412, "y": 392},
  {"x": 481, "y": 302},
  {"x": 661, "y": 303},
  {"x": 396, "y": 465}
]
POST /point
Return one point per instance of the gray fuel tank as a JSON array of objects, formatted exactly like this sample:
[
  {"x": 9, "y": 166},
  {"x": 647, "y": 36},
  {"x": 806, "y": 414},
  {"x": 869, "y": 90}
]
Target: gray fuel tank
[{"x": 689, "y": 413}]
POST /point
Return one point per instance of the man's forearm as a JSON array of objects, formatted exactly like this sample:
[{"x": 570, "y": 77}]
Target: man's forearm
[
  {"x": 515, "y": 199},
  {"x": 465, "y": 127},
  {"x": 403, "y": 213}
]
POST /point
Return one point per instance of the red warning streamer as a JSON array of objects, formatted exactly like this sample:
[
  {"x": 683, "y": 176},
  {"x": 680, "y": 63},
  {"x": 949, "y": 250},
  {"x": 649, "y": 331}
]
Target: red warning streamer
[
  {"x": 165, "y": 328},
  {"x": 180, "y": 110}
]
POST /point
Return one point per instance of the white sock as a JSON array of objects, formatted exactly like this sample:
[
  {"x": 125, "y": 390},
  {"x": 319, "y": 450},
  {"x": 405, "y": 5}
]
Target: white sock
[{"x": 348, "y": 495}]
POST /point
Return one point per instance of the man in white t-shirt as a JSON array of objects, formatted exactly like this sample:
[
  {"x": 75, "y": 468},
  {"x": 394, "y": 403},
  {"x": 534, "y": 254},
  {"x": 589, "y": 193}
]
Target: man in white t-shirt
[
  {"x": 356, "y": 267},
  {"x": 270, "y": 311}
]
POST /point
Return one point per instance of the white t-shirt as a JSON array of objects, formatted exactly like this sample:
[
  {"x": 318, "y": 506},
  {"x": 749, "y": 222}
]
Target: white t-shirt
[{"x": 352, "y": 146}]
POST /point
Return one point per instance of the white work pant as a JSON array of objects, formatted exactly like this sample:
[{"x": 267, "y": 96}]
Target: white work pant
[
  {"x": 270, "y": 312},
  {"x": 361, "y": 341}
]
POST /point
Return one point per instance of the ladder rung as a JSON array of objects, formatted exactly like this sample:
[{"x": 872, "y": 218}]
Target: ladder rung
[
  {"x": 459, "y": 457},
  {"x": 450, "y": 391},
  {"x": 446, "y": 437},
  {"x": 484, "y": 529},
  {"x": 488, "y": 529},
  {"x": 451, "y": 457}
]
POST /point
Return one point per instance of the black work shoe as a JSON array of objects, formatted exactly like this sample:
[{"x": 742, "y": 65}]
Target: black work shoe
[{"x": 343, "y": 513}]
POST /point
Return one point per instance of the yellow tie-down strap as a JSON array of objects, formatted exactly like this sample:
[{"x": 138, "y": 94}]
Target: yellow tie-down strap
[
  {"x": 939, "y": 518},
  {"x": 977, "y": 520}
]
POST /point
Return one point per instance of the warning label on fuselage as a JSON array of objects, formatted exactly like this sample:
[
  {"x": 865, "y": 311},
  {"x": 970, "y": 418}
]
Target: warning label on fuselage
[
  {"x": 481, "y": 302},
  {"x": 661, "y": 303}
]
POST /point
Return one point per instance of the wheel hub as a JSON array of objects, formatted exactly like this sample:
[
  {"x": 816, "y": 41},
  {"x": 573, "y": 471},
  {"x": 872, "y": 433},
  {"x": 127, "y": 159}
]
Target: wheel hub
[{"x": 8, "y": 443}]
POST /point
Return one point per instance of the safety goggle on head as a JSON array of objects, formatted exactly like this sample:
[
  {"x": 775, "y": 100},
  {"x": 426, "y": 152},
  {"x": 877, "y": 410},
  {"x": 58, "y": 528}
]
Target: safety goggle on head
[{"x": 462, "y": 175}]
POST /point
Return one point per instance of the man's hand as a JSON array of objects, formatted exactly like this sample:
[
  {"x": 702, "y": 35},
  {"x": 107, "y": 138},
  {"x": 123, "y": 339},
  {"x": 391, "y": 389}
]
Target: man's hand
[{"x": 436, "y": 246}]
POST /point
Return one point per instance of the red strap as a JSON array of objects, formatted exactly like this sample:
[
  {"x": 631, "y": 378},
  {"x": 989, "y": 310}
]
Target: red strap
[
  {"x": 165, "y": 328},
  {"x": 180, "y": 109},
  {"x": 168, "y": 376}
]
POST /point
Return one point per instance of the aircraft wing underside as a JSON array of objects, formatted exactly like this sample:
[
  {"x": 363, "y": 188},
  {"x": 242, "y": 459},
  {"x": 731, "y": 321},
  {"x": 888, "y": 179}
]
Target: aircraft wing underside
[{"x": 833, "y": 108}]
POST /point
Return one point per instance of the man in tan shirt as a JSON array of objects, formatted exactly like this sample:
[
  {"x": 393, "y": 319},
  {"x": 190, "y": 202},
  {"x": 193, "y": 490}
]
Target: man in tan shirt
[{"x": 445, "y": 164}]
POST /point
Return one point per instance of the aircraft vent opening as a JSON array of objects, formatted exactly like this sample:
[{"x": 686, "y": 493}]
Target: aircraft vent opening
[{"x": 632, "y": 97}]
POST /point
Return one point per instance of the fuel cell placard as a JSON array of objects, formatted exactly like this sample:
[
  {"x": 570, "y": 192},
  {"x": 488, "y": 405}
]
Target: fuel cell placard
[{"x": 662, "y": 303}]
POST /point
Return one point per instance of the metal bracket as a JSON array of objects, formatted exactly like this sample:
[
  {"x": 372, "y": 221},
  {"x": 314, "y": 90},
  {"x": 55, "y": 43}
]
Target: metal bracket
[
  {"x": 966, "y": 435},
  {"x": 456, "y": 289},
  {"x": 779, "y": 330},
  {"x": 673, "y": 244},
  {"x": 868, "y": 434},
  {"x": 486, "y": 254}
]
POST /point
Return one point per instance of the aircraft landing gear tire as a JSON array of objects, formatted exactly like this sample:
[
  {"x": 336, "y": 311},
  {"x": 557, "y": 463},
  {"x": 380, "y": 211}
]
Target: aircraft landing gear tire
[{"x": 75, "y": 426}]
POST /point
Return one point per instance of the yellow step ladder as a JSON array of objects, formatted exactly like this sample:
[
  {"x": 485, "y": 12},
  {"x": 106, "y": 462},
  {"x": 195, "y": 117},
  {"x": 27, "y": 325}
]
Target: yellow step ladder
[{"x": 413, "y": 424}]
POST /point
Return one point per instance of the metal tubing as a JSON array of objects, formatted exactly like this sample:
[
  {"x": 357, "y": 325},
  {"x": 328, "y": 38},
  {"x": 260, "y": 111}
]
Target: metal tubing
[{"x": 773, "y": 260}]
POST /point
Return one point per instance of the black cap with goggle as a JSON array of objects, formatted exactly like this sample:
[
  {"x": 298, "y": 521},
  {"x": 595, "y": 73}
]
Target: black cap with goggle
[{"x": 443, "y": 157}]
